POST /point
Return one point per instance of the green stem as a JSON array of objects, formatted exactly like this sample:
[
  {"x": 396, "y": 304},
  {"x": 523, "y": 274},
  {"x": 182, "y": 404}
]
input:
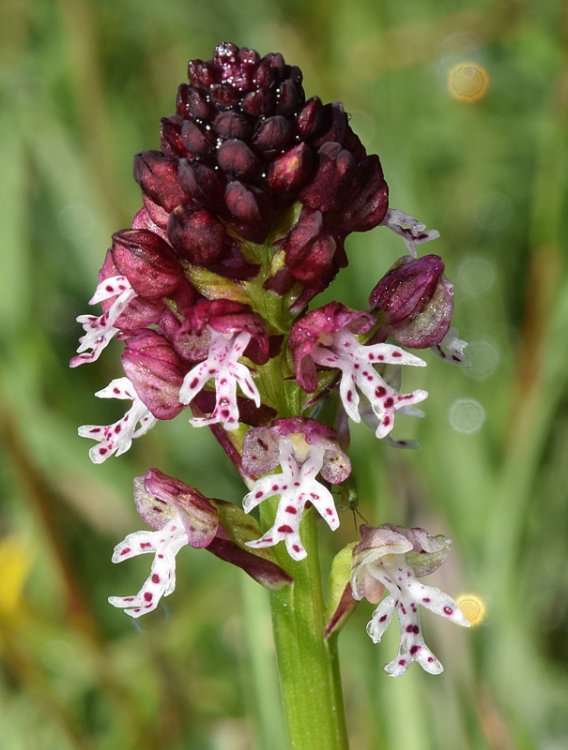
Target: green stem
[{"x": 308, "y": 665}]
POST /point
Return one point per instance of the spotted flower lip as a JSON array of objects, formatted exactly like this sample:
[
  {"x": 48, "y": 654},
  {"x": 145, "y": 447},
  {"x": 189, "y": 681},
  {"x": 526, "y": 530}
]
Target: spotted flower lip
[
  {"x": 304, "y": 448},
  {"x": 179, "y": 516},
  {"x": 100, "y": 330},
  {"x": 225, "y": 330},
  {"x": 116, "y": 439},
  {"x": 391, "y": 558},
  {"x": 326, "y": 338}
]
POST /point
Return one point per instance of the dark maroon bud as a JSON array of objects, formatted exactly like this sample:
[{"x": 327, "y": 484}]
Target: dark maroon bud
[
  {"x": 257, "y": 103},
  {"x": 273, "y": 135},
  {"x": 223, "y": 95},
  {"x": 170, "y": 136},
  {"x": 265, "y": 74},
  {"x": 310, "y": 119},
  {"x": 156, "y": 372},
  {"x": 199, "y": 73},
  {"x": 192, "y": 102},
  {"x": 232, "y": 125},
  {"x": 243, "y": 202},
  {"x": 417, "y": 300},
  {"x": 202, "y": 184},
  {"x": 289, "y": 97},
  {"x": 157, "y": 176},
  {"x": 225, "y": 58},
  {"x": 289, "y": 171},
  {"x": 309, "y": 248},
  {"x": 197, "y": 141},
  {"x": 237, "y": 160},
  {"x": 276, "y": 62},
  {"x": 353, "y": 144},
  {"x": 196, "y": 234},
  {"x": 334, "y": 124},
  {"x": 147, "y": 262},
  {"x": 366, "y": 202},
  {"x": 295, "y": 74},
  {"x": 331, "y": 180},
  {"x": 249, "y": 58}
]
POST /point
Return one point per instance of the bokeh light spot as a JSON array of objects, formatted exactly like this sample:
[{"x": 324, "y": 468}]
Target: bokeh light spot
[
  {"x": 473, "y": 608},
  {"x": 466, "y": 415},
  {"x": 468, "y": 81},
  {"x": 484, "y": 359}
]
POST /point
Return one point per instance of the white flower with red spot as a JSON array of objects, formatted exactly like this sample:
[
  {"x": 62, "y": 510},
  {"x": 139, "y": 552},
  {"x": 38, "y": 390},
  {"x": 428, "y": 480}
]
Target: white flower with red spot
[
  {"x": 326, "y": 337},
  {"x": 117, "y": 438},
  {"x": 303, "y": 448},
  {"x": 223, "y": 367},
  {"x": 165, "y": 544},
  {"x": 100, "y": 330},
  {"x": 391, "y": 558}
]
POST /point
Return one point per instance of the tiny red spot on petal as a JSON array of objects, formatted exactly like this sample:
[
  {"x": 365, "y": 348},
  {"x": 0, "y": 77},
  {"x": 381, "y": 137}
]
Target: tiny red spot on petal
[
  {"x": 448, "y": 611},
  {"x": 285, "y": 529},
  {"x": 148, "y": 596},
  {"x": 290, "y": 509},
  {"x": 155, "y": 578},
  {"x": 125, "y": 551}
]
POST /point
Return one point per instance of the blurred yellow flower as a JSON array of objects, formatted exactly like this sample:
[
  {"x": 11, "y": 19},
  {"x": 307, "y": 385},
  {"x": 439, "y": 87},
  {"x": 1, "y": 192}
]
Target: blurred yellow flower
[{"x": 16, "y": 560}]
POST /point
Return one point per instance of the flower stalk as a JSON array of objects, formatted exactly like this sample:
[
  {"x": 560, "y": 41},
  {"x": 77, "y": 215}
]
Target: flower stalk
[{"x": 307, "y": 663}]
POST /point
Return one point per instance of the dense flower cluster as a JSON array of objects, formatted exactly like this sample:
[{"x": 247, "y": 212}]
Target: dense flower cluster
[{"x": 245, "y": 213}]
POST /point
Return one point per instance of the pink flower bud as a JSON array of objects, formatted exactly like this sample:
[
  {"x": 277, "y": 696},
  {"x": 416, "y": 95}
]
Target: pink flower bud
[
  {"x": 157, "y": 176},
  {"x": 196, "y": 234},
  {"x": 156, "y": 372},
  {"x": 147, "y": 262},
  {"x": 417, "y": 300}
]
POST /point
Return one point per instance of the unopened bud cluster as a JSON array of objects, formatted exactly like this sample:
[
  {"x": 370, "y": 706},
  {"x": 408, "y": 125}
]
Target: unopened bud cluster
[{"x": 246, "y": 209}]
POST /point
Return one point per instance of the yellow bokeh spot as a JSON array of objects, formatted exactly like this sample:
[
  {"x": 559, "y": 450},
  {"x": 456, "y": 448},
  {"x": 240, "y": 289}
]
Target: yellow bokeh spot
[
  {"x": 473, "y": 608},
  {"x": 468, "y": 81}
]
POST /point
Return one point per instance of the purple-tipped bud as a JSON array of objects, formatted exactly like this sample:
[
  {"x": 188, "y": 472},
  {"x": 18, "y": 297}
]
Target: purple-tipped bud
[
  {"x": 170, "y": 136},
  {"x": 201, "y": 183},
  {"x": 417, "y": 300},
  {"x": 273, "y": 135},
  {"x": 232, "y": 125},
  {"x": 310, "y": 119},
  {"x": 335, "y": 124},
  {"x": 289, "y": 171},
  {"x": 196, "y": 234},
  {"x": 332, "y": 178},
  {"x": 192, "y": 102},
  {"x": 147, "y": 261},
  {"x": 157, "y": 176},
  {"x": 157, "y": 494},
  {"x": 236, "y": 159},
  {"x": 310, "y": 248},
  {"x": 197, "y": 141},
  {"x": 250, "y": 208},
  {"x": 156, "y": 372},
  {"x": 366, "y": 202}
]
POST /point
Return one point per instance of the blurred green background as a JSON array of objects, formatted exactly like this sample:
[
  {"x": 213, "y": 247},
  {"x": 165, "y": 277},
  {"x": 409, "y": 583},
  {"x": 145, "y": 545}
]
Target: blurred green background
[{"x": 82, "y": 87}]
